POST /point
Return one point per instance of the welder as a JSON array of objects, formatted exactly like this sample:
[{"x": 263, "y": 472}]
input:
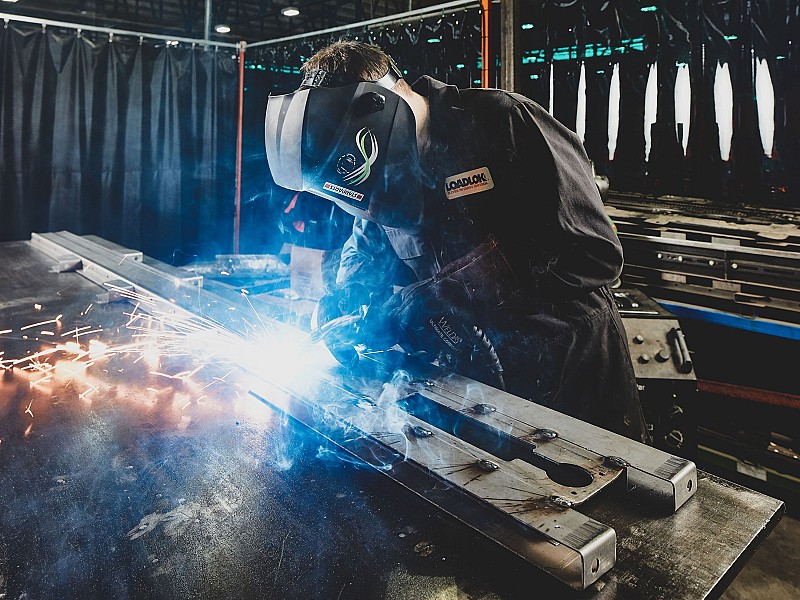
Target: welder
[{"x": 480, "y": 240}]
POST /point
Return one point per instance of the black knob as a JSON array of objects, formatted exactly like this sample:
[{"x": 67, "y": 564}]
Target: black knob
[
  {"x": 644, "y": 359},
  {"x": 638, "y": 339},
  {"x": 674, "y": 439},
  {"x": 663, "y": 355},
  {"x": 372, "y": 102},
  {"x": 674, "y": 411}
]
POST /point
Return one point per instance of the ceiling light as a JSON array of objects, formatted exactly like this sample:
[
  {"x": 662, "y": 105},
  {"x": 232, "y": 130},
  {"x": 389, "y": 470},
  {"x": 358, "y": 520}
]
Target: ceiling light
[
  {"x": 222, "y": 28},
  {"x": 9, "y": 0},
  {"x": 290, "y": 11}
]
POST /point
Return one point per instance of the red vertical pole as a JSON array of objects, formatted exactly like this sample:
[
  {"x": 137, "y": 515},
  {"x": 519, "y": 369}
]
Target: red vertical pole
[
  {"x": 485, "y": 56},
  {"x": 237, "y": 216}
]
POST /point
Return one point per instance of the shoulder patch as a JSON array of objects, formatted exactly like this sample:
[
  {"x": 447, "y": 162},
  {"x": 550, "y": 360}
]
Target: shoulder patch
[{"x": 468, "y": 182}]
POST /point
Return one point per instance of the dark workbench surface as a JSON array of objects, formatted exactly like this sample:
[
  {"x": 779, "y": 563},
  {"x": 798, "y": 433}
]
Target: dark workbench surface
[{"x": 119, "y": 483}]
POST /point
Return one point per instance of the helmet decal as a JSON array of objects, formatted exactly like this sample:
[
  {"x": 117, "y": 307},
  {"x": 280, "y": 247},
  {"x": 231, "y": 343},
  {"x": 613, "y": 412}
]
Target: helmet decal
[
  {"x": 342, "y": 144},
  {"x": 368, "y": 146}
]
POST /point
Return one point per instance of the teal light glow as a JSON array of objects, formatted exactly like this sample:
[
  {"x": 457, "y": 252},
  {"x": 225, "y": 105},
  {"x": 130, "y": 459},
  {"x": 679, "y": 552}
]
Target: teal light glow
[
  {"x": 460, "y": 66},
  {"x": 275, "y": 69},
  {"x": 434, "y": 40},
  {"x": 648, "y": 9},
  {"x": 526, "y": 26},
  {"x": 534, "y": 76},
  {"x": 588, "y": 51},
  {"x": 731, "y": 37}
]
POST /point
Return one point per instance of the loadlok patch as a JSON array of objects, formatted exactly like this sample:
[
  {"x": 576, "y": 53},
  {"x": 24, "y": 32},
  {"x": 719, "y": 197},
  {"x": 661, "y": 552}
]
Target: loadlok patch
[
  {"x": 469, "y": 182},
  {"x": 343, "y": 191}
]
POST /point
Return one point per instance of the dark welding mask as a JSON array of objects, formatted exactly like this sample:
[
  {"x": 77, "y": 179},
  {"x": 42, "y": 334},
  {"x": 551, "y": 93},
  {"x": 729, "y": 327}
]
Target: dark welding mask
[{"x": 353, "y": 144}]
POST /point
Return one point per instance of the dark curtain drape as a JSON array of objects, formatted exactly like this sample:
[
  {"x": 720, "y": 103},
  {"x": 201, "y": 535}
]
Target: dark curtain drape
[
  {"x": 559, "y": 35},
  {"x": 129, "y": 139}
]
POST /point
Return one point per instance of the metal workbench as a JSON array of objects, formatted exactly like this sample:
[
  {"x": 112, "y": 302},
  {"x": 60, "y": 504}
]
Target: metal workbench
[{"x": 116, "y": 482}]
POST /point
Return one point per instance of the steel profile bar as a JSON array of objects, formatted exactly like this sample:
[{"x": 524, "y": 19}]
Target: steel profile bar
[
  {"x": 530, "y": 517},
  {"x": 513, "y": 498},
  {"x": 667, "y": 479}
]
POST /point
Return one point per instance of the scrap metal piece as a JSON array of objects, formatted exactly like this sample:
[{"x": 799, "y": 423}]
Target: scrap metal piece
[
  {"x": 129, "y": 254},
  {"x": 67, "y": 263},
  {"x": 118, "y": 290}
]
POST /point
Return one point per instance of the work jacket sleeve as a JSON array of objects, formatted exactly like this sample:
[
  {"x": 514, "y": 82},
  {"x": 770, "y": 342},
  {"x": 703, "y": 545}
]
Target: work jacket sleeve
[
  {"x": 574, "y": 244},
  {"x": 367, "y": 257}
]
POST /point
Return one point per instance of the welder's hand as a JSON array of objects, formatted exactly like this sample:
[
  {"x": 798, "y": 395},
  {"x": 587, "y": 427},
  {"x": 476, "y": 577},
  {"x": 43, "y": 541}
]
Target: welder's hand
[
  {"x": 452, "y": 316},
  {"x": 348, "y": 316},
  {"x": 433, "y": 321}
]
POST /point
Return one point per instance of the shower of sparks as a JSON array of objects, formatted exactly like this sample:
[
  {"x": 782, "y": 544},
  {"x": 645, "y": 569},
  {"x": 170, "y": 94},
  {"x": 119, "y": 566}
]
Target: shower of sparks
[
  {"x": 40, "y": 323},
  {"x": 258, "y": 347}
]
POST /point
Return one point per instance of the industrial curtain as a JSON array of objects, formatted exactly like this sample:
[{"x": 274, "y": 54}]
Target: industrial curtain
[
  {"x": 674, "y": 97},
  {"x": 126, "y": 138}
]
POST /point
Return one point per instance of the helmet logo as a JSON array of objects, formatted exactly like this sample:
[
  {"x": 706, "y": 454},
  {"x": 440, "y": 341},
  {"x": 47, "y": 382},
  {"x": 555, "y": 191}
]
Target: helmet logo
[
  {"x": 346, "y": 164},
  {"x": 367, "y": 145}
]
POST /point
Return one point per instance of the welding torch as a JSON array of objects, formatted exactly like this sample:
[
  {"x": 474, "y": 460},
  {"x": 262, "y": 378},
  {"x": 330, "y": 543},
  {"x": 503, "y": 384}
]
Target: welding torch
[{"x": 325, "y": 331}]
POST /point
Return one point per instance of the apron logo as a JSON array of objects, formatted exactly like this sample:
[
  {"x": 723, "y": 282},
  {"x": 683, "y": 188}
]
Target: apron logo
[
  {"x": 469, "y": 182},
  {"x": 367, "y": 145}
]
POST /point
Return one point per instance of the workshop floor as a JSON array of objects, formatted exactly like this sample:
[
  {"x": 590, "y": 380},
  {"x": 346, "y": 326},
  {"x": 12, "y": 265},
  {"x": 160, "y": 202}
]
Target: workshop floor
[{"x": 773, "y": 572}]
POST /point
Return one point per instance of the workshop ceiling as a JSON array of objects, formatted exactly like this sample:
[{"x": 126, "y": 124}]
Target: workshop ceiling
[{"x": 249, "y": 20}]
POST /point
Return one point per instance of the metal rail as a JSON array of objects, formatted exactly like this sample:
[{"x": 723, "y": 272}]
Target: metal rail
[
  {"x": 396, "y": 18},
  {"x": 112, "y": 31},
  {"x": 728, "y": 261}
]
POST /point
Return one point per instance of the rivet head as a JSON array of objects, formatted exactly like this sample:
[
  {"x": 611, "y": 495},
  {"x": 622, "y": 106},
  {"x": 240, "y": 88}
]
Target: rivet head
[
  {"x": 562, "y": 502},
  {"x": 543, "y": 435},
  {"x": 485, "y": 464},
  {"x": 420, "y": 432},
  {"x": 615, "y": 462}
]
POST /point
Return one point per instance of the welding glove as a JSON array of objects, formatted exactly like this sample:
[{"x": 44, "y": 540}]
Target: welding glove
[
  {"x": 350, "y": 315},
  {"x": 451, "y": 316}
]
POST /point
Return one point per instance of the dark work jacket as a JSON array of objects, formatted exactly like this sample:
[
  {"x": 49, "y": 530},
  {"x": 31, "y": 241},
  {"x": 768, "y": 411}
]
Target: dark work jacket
[{"x": 499, "y": 165}]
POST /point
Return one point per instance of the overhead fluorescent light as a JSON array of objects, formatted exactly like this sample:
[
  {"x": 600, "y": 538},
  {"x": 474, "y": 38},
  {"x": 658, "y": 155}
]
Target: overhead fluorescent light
[
  {"x": 222, "y": 28},
  {"x": 9, "y": 0},
  {"x": 290, "y": 11}
]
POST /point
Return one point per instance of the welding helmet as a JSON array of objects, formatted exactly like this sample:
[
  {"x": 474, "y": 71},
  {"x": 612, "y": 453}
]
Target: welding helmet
[{"x": 353, "y": 144}]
